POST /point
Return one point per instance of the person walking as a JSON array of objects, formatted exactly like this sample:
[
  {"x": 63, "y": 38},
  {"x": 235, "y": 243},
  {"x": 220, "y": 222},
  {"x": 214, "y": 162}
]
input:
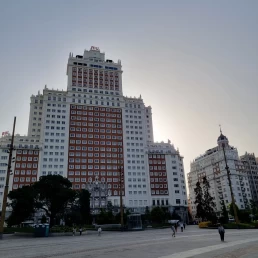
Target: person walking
[
  {"x": 176, "y": 226},
  {"x": 80, "y": 230},
  {"x": 99, "y": 231},
  {"x": 173, "y": 231},
  {"x": 221, "y": 232},
  {"x": 182, "y": 226},
  {"x": 74, "y": 230}
]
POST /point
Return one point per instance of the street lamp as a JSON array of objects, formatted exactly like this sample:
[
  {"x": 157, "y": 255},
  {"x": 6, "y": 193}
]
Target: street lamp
[
  {"x": 230, "y": 185},
  {"x": 121, "y": 181},
  {"x": 11, "y": 148}
]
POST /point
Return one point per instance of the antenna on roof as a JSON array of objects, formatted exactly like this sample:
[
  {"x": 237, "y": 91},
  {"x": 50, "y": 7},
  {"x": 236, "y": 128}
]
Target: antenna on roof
[{"x": 220, "y": 128}]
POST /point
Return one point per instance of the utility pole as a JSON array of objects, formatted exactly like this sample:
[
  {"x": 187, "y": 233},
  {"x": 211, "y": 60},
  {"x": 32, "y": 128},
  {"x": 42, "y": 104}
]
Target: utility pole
[
  {"x": 11, "y": 148},
  {"x": 230, "y": 186},
  {"x": 121, "y": 181}
]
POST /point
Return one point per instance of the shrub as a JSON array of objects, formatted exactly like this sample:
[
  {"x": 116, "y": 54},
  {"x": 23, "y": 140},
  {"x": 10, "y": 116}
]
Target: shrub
[
  {"x": 240, "y": 226},
  {"x": 11, "y": 230},
  {"x": 61, "y": 229},
  {"x": 205, "y": 224}
]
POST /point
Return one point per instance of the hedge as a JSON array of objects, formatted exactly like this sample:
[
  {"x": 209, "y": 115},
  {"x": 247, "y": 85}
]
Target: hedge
[{"x": 205, "y": 224}]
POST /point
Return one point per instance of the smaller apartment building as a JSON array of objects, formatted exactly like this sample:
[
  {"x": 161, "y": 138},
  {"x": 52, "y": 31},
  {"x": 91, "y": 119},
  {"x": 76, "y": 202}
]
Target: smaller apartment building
[{"x": 212, "y": 165}]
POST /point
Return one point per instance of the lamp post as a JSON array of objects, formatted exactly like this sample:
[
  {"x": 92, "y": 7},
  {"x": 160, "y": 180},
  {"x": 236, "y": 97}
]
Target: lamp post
[
  {"x": 230, "y": 185},
  {"x": 11, "y": 148},
  {"x": 121, "y": 181}
]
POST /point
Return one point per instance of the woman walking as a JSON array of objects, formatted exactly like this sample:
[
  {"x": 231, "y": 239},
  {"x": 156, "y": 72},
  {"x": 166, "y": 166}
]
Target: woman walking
[{"x": 221, "y": 232}]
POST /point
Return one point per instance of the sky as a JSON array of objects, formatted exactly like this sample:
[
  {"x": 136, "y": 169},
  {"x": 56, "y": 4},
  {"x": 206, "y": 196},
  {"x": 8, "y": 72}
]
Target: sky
[{"x": 195, "y": 62}]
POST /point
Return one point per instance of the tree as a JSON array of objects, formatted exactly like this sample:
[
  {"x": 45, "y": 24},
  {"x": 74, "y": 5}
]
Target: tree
[
  {"x": 231, "y": 210},
  {"x": 146, "y": 217},
  {"x": 83, "y": 203},
  {"x": 224, "y": 218},
  {"x": 147, "y": 213},
  {"x": 208, "y": 201},
  {"x": 190, "y": 217},
  {"x": 54, "y": 193},
  {"x": 105, "y": 217},
  {"x": 253, "y": 207},
  {"x": 244, "y": 216},
  {"x": 80, "y": 209},
  {"x": 22, "y": 204},
  {"x": 157, "y": 215},
  {"x": 110, "y": 206},
  {"x": 200, "y": 210},
  {"x": 44, "y": 219},
  {"x": 175, "y": 216}
]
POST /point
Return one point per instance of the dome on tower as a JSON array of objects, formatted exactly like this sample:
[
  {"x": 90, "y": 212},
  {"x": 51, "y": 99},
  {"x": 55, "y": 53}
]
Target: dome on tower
[
  {"x": 222, "y": 138},
  {"x": 222, "y": 141}
]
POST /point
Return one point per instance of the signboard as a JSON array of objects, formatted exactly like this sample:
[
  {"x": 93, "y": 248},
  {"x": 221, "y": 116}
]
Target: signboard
[
  {"x": 5, "y": 133},
  {"x": 94, "y": 48}
]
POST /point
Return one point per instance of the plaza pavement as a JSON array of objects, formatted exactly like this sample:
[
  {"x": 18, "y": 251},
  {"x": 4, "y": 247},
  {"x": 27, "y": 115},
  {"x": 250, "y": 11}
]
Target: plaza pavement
[{"x": 193, "y": 242}]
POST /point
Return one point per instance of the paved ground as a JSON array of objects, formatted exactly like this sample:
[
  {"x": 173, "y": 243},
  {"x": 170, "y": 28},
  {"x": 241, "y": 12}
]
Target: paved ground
[{"x": 194, "y": 242}]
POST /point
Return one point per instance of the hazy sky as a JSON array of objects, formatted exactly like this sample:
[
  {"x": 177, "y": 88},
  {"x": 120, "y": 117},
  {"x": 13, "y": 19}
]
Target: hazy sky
[{"x": 194, "y": 62}]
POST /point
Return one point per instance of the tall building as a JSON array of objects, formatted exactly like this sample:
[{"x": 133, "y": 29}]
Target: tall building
[
  {"x": 91, "y": 131},
  {"x": 212, "y": 165},
  {"x": 251, "y": 168},
  {"x": 25, "y": 161}
]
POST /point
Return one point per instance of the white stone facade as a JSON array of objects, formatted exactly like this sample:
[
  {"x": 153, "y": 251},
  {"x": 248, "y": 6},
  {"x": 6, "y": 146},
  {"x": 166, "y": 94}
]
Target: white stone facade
[
  {"x": 212, "y": 165},
  {"x": 91, "y": 129},
  {"x": 251, "y": 168}
]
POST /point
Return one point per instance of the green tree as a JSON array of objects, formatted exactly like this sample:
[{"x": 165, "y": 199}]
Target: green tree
[
  {"x": 44, "y": 219},
  {"x": 244, "y": 216},
  {"x": 147, "y": 213},
  {"x": 175, "y": 216},
  {"x": 22, "y": 202},
  {"x": 190, "y": 217},
  {"x": 224, "y": 218},
  {"x": 208, "y": 201},
  {"x": 200, "y": 210},
  {"x": 105, "y": 217},
  {"x": 253, "y": 207},
  {"x": 231, "y": 210},
  {"x": 83, "y": 204},
  {"x": 110, "y": 206},
  {"x": 54, "y": 193},
  {"x": 79, "y": 213},
  {"x": 157, "y": 215},
  {"x": 167, "y": 214}
]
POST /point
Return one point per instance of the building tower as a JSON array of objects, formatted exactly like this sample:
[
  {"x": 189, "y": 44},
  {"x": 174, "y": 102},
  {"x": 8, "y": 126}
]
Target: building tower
[
  {"x": 90, "y": 133},
  {"x": 212, "y": 165}
]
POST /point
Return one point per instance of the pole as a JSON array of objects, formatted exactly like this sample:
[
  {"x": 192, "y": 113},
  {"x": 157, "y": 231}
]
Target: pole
[
  {"x": 230, "y": 186},
  {"x": 121, "y": 199},
  {"x": 7, "y": 182}
]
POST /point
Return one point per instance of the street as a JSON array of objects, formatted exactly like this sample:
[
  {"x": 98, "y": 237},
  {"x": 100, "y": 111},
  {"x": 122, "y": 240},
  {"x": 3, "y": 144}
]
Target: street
[{"x": 193, "y": 242}]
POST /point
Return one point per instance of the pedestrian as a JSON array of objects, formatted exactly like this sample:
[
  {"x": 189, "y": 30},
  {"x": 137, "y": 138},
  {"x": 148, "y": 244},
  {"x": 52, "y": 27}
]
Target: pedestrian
[
  {"x": 99, "y": 231},
  {"x": 74, "y": 230},
  {"x": 80, "y": 230},
  {"x": 173, "y": 231},
  {"x": 176, "y": 226},
  {"x": 221, "y": 232},
  {"x": 182, "y": 226}
]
